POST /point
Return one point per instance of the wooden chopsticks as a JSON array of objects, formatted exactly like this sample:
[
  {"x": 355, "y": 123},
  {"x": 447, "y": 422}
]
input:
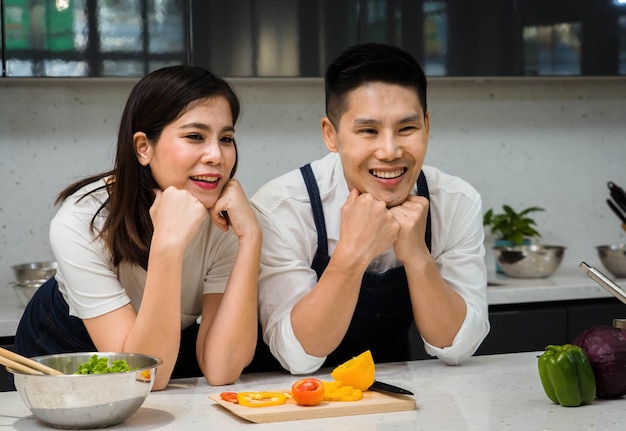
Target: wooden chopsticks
[{"x": 23, "y": 364}]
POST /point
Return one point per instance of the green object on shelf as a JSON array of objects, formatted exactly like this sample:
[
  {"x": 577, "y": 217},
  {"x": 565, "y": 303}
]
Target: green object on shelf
[
  {"x": 46, "y": 25},
  {"x": 511, "y": 225}
]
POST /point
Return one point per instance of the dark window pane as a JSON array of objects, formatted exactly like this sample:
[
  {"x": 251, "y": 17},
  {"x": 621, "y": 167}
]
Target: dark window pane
[
  {"x": 552, "y": 49},
  {"x": 622, "y": 44},
  {"x": 93, "y": 37},
  {"x": 271, "y": 37},
  {"x": 435, "y": 38},
  {"x": 120, "y": 26}
]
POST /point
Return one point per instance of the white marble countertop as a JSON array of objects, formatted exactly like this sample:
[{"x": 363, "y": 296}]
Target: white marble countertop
[
  {"x": 564, "y": 284},
  {"x": 493, "y": 392}
]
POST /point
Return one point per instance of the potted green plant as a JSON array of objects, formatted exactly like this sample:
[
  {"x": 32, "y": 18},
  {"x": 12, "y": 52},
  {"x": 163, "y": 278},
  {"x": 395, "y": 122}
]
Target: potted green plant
[{"x": 511, "y": 227}]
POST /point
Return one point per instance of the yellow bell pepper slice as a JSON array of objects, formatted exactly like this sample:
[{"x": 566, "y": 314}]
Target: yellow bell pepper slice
[
  {"x": 261, "y": 399},
  {"x": 335, "y": 391},
  {"x": 357, "y": 372}
]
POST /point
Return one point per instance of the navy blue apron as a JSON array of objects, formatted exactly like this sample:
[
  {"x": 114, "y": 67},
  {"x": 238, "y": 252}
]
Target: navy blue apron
[
  {"x": 383, "y": 314},
  {"x": 47, "y": 328}
]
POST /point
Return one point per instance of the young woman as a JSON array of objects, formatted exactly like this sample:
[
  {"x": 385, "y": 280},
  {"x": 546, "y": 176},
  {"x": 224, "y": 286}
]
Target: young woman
[{"x": 165, "y": 237}]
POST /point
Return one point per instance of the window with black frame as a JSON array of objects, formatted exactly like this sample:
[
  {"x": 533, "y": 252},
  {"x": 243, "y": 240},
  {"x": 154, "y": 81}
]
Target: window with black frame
[
  {"x": 93, "y": 38},
  {"x": 573, "y": 37}
]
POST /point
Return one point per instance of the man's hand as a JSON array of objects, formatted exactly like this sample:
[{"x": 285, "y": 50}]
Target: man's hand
[
  {"x": 411, "y": 216},
  {"x": 367, "y": 227}
]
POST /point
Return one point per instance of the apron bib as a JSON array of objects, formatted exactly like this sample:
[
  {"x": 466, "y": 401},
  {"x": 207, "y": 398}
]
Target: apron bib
[{"x": 383, "y": 314}]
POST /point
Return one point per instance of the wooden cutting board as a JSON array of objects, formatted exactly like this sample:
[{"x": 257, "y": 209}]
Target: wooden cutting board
[{"x": 372, "y": 402}]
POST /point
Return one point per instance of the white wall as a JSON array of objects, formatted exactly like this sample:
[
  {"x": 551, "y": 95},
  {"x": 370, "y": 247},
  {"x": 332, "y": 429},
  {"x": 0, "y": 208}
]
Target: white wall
[{"x": 552, "y": 143}]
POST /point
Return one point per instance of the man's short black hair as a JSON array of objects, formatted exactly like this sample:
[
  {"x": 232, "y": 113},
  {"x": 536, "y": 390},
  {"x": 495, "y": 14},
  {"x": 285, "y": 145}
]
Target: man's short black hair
[{"x": 370, "y": 62}]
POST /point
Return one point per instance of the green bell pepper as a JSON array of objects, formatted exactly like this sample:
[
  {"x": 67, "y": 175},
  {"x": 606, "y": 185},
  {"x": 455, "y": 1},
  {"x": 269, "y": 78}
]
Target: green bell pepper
[{"x": 567, "y": 376}]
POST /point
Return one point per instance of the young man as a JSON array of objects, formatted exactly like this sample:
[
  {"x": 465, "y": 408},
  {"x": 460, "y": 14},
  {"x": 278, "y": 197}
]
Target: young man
[{"x": 362, "y": 243}]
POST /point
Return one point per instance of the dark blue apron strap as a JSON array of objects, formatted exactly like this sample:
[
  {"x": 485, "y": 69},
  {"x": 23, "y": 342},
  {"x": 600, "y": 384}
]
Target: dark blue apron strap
[
  {"x": 316, "y": 207},
  {"x": 422, "y": 190}
]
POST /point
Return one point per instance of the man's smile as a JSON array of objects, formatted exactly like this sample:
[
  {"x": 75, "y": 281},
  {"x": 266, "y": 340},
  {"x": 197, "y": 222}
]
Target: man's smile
[{"x": 388, "y": 174}]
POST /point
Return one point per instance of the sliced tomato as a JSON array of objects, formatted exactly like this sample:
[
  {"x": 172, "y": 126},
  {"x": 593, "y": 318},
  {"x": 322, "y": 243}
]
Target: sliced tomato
[
  {"x": 231, "y": 397},
  {"x": 308, "y": 391}
]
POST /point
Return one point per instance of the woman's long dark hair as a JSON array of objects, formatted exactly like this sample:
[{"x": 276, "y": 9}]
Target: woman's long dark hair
[{"x": 157, "y": 100}]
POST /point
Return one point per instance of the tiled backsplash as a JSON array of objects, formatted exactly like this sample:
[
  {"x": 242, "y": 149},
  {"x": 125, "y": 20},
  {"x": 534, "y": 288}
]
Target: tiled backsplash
[{"x": 548, "y": 142}]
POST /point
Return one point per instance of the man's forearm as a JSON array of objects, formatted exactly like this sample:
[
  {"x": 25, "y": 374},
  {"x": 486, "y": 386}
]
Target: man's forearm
[
  {"x": 321, "y": 318},
  {"x": 438, "y": 309}
]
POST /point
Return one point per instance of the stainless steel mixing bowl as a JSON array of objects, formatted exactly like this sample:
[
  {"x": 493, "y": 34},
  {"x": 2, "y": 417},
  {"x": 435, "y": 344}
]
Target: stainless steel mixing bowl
[
  {"x": 529, "y": 261},
  {"x": 613, "y": 257},
  {"x": 26, "y": 289},
  {"x": 86, "y": 400},
  {"x": 34, "y": 271}
]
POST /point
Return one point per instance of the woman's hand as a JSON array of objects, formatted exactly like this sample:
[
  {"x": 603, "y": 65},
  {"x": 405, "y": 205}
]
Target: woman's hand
[
  {"x": 234, "y": 203},
  {"x": 176, "y": 216}
]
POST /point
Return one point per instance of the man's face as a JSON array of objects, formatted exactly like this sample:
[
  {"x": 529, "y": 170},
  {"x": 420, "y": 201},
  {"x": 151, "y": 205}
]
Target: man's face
[{"x": 381, "y": 139}]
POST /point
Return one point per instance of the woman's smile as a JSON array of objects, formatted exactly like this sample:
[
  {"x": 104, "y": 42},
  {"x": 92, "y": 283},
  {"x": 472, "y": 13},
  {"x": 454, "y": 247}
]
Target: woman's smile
[{"x": 209, "y": 182}]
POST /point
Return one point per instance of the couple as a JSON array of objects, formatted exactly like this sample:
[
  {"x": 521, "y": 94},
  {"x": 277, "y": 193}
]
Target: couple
[{"x": 339, "y": 256}]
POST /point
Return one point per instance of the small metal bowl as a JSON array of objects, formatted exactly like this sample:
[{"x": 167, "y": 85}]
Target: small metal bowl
[
  {"x": 80, "y": 401},
  {"x": 613, "y": 257},
  {"x": 529, "y": 261},
  {"x": 26, "y": 289},
  {"x": 34, "y": 271}
]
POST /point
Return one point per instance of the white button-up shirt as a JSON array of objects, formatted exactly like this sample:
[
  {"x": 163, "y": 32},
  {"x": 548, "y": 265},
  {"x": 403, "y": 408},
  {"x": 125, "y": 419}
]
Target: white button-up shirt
[{"x": 290, "y": 242}]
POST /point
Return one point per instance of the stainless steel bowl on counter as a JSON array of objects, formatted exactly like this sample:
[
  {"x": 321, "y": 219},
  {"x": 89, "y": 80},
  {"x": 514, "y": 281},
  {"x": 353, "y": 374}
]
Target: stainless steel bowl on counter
[
  {"x": 529, "y": 261},
  {"x": 81, "y": 401},
  {"x": 613, "y": 257},
  {"x": 30, "y": 276},
  {"x": 34, "y": 271},
  {"x": 26, "y": 289}
]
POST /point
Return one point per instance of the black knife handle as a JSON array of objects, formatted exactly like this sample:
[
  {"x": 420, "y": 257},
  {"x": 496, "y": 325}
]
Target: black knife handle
[
  {"x": 386, "y": 387},
  {"x": 616, "y": 210},
  {"x": 618, "y": 195}
]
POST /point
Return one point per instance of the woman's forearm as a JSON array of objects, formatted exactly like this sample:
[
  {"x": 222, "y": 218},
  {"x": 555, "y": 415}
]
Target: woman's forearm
[
  {"x": 157, "y": 327},
  {"x": 229, "y": 339}
]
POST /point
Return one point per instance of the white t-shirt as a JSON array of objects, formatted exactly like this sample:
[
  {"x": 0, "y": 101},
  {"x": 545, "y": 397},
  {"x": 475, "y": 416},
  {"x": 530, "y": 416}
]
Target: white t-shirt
[
  {"x": 92, "y": 286},
  {"x": 290, "y": 241}
]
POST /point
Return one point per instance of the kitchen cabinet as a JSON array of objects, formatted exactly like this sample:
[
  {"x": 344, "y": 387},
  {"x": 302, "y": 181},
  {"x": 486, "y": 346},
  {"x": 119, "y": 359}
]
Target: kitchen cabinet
[
  {"x": 525, "y": 328},
  {"x": 298, "y": 38},
  {"x": 449, "y": 38},
  {"x": 514, "y": 328},
  {"x": 586, "y": 315},
  {"x": 572, "y": 37},
  {"x": 269, "y": 38},
  {"x": 532, "y": 326}
]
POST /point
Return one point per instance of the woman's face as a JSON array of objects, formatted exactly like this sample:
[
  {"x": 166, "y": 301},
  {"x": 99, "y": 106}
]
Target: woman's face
[{"x": 196, "y": 152}]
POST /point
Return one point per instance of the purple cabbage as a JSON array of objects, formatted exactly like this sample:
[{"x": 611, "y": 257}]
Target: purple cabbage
[{"x": 606, "y": 348}]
